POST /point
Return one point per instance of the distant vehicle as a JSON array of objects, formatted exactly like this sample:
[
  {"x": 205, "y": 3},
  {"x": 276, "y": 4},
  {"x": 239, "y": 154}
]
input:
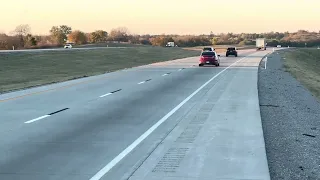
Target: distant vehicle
[
  {"x": 232, "y": 51},
  {"x": 209, "y": 58},
  {"x": 261, "y": 44},
  {"x": 208, "y": 49},
  {"x": 68, "y": 46},
  {"x": 278, "y": 46},
  {"x": 170, "y": 44}
]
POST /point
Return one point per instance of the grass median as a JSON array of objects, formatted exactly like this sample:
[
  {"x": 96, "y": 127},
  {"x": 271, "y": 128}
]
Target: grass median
[
  {"x": 304, "y": 65},
  {"x": 20, "y": 70}
]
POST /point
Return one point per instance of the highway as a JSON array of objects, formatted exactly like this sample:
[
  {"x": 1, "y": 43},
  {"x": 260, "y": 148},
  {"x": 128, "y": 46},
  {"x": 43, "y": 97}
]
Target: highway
[{"x": 169, "y": 120}]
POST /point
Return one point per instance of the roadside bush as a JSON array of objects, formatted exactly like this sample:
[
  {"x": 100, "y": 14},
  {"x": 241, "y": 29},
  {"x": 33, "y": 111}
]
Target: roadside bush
[
  {"x": 77, "y": 37},
  {"x": 7, "y": 42}
]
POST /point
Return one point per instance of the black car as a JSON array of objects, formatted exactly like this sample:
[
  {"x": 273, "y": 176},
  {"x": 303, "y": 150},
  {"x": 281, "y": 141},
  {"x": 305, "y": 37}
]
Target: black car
[{"x": 232, "y": 51}]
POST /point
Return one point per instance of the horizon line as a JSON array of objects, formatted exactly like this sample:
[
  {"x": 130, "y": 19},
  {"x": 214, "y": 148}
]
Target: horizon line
[{"x": 172, "y": 34}]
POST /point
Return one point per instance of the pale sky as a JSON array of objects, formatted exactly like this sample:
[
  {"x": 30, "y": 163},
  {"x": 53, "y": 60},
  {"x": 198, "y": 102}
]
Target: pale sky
[{"x": 163, "y": 16}]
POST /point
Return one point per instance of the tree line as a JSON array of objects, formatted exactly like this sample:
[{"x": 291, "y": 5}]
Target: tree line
[{"x": 21, "y": 37}]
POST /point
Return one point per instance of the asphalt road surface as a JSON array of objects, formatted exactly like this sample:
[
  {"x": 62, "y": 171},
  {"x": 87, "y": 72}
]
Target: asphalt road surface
[{"x": 169, "y": 120}]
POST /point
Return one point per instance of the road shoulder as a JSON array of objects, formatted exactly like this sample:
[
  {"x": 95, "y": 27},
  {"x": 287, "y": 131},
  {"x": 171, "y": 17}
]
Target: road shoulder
[{"x": 290, "y": 118}]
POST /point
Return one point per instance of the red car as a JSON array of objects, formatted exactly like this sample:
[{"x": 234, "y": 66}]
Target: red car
[{"x": 209, "y": 58}]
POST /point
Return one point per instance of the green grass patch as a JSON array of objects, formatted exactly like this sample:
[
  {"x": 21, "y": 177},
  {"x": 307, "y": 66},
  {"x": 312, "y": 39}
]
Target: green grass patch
[
  {"x": 28, "y": 69},
  {"x": 304, "y": 65}
]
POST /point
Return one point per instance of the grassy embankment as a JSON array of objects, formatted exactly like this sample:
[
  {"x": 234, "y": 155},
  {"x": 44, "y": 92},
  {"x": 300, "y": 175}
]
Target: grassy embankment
[
  {"x": 304, "y": 65},
  {"x": 27, "y": 69}
]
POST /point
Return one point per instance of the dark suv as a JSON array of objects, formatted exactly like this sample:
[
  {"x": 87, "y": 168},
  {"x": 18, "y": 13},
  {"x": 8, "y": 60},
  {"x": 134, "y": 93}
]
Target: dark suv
[{"x": 232, "y": 51}]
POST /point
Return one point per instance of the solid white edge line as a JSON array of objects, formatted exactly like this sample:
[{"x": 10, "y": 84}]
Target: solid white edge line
[
  {"x": 37, "y": 119},
  {"x": 141, "y": 82},
  {"x": 106, "y": 94},
  {"x": 126, "y": 151}
]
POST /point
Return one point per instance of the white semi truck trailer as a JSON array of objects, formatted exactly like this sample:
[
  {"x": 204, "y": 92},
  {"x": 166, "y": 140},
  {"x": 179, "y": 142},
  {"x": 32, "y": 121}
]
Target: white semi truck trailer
[
  {"x": 170, "y": 44},
  {"x": 261, "y": 44}
]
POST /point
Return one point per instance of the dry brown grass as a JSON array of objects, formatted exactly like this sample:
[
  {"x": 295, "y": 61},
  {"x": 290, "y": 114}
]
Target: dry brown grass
[{"x": 304, "y": 65}]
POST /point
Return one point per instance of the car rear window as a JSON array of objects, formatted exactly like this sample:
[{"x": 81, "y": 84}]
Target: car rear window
[
  {"x": 231, "y": 48},
  {"x": 210, "y": 53},
  {"x": 206, "y": 48}
]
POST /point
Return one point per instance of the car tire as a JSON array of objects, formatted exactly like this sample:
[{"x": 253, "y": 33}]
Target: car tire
[
  {"x": 236, "y": 55},
  {"x": 227, "y": 55},
  {"x": 200, "y": 65}
]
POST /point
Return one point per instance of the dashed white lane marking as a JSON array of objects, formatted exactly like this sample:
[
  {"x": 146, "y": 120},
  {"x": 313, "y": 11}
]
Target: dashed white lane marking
[
  {"x": 36, "y": 119},
  {"x": 106, "y": 94},
  {"x": 165, "y": 74},
  {"x": 126, "y": 151},
  {"x": 144, "y": 81},
  {"x": 111, "y": 93},
  {"x": 45, "y": 116}
]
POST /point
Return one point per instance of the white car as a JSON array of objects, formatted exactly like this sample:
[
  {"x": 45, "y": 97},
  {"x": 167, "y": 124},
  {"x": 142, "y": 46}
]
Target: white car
[
  {"x": 278, "y": 46},
  {"x": 68, "y": 46},
  {"x": 208, "y": 49}
]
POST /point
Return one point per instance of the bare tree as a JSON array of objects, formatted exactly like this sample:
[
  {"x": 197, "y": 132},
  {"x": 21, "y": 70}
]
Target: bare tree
[
  {"x": 21, "y": 31},
  {"x": 119, "y": 34}
]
